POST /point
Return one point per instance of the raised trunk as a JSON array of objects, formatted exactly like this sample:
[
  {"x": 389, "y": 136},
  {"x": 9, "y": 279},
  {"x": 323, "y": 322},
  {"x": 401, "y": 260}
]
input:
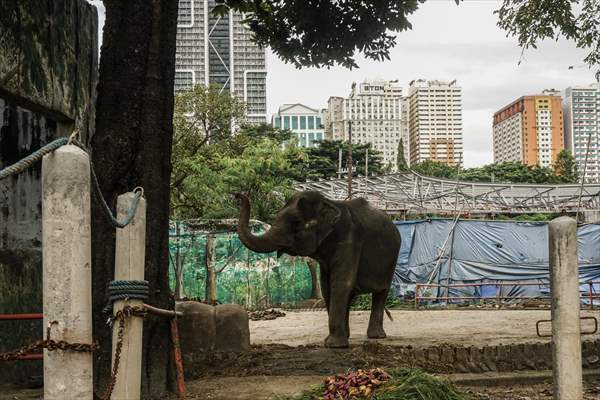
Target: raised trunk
[
  {"x": 211, "y": 273},
  {"x": 132, "y": 147},
  {"x": 316, "y": 283},
  {"x": 260, "y": 244}
]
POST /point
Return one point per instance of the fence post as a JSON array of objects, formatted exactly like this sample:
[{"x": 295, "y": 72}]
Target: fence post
[
  {"x": 130, "y": 252},
  {"x": 67, "y": 273},
  {"x": 564, "y": 281}
]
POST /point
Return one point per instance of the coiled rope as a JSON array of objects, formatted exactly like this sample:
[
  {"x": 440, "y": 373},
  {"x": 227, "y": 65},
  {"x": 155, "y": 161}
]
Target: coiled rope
[
  {"x": 126, "y": 290},
  {"x": 28, "y": 161}
]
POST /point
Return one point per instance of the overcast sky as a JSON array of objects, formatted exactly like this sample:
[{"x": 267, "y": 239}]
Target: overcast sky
[{"x": 447, "y": 42}]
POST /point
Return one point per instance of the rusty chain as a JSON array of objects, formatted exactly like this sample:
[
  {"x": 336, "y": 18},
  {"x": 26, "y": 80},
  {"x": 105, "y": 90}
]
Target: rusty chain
[
  {"x": 120, "y": 316},
  {"x": 50, "y": 345}
]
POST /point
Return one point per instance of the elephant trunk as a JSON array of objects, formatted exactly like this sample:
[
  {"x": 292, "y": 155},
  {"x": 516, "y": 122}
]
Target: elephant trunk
[{"x": 261, "y": 244}]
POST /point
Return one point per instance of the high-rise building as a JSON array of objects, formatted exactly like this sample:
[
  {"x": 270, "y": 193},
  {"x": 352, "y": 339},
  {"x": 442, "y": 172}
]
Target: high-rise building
[
  {"x": 304, "y": 121},
  {"x": 530, "y": 130},
  {"x": 373, "y": 112},
  {"x": 581, "y": 107},
  {"x": 213, "y": 49},
  {"x": 435, "y": 121}
]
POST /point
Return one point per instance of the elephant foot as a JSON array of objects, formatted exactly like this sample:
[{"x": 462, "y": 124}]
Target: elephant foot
[
  {"x": 377, "y": 333},
  {"x": 336, "y": 342}
]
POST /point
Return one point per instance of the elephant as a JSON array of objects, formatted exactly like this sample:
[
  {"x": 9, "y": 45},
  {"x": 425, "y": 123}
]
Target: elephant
[{"x": 355, "y": 245}]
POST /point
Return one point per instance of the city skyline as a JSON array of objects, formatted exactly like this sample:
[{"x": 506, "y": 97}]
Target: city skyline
[{"x": 447, "y": 42}]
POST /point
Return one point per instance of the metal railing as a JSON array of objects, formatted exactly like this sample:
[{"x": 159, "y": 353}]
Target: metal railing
[
  {"x": 21, "y": 317},
  {"x": 590, "y": 295}
]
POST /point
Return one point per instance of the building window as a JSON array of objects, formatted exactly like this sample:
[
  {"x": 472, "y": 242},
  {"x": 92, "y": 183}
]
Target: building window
[
  {"x": 286, "y": 122},
  {"x": 277, "y": 122},
  {"x": 318, "y": 122},
  {"x": 311, "y": 122},
  {"x": 302, "y": 122},
  {"x": 294, "y": 122}
]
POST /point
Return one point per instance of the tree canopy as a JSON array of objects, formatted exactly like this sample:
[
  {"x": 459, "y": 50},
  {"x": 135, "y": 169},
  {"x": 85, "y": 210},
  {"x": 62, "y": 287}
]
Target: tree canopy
[
  {"x": 533, "y": 21},
  {"x": 318, "y": 33},
  {"x": 565, "y": 171},
  {"x": 321, "y": 33}
]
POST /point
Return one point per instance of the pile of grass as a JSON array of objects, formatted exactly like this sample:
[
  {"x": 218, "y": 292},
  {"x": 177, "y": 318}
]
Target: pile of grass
[{"x": 404, "y": 384}]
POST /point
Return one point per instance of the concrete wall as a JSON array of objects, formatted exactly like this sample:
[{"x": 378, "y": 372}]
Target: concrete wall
[{"x": 48, "y": 76}]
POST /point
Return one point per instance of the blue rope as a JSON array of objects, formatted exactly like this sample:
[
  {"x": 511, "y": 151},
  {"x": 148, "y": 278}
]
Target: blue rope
[
  {"x": 31, "y": 159},
  {"x": 122, "y": 289},
  {"x": 25, "y": 163}
]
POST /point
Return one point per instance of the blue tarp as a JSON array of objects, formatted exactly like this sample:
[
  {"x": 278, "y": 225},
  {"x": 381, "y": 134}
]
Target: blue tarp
[{"x": 486, "y": 252}]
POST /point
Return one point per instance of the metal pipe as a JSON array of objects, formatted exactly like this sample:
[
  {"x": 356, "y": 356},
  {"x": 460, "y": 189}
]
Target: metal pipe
[
  {"x": 162, "y": 312},
  {"x": 15, "y": 317}
]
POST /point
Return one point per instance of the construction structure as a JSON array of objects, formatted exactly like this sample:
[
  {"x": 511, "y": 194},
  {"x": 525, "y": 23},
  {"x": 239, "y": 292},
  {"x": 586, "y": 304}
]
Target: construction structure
[
  {"x": 373, "y": 112},
  {"x": 410, "y": 192},
  {"x": 435, "y": 121},
  {"x": 581, "y": 109},
  {"x": 219, "y": 50},
  {"x": 530, "y": 130}
]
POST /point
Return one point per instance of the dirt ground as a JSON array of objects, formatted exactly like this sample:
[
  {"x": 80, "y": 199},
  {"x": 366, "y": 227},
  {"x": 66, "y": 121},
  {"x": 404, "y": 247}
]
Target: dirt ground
[
  {"x": 287, "y": 355},
  {"x": 415, "y": 328}
]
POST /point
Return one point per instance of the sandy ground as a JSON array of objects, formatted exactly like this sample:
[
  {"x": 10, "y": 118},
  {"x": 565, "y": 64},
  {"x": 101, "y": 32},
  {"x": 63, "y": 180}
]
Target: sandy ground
[{"x": 416, "y": 328}]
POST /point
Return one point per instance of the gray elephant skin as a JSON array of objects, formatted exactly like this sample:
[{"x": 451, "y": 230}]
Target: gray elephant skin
[{"x": 356, "y": 246}]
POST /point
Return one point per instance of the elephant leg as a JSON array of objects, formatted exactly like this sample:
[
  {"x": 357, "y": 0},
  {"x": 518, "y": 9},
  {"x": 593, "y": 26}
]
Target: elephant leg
[
  {"x": 325, "y": 289},
  {"x": 375, "y": 330},
  {"x": 338, "y": 314},
  {"x": 348, "y": 317}
]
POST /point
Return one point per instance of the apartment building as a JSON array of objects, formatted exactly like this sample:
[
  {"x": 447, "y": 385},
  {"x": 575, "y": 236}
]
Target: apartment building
[
  {"x": 530, "y": 130},
  {"x": 213, "y": 49},
  {"x": 435, "y": 121},
  {"x": 304, "y": 121},
  {"x": 373, "y": 111},
  {"x": 581, "y": 109}
]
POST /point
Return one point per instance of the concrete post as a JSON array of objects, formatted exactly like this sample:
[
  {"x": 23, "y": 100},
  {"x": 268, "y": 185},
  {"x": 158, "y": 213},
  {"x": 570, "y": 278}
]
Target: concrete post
[
  {"x": 130, "y": 254},
  {"x": 564, "y": 281},
  {"x": 67, "y": 274},
  {"x": 591, "y": 216}
]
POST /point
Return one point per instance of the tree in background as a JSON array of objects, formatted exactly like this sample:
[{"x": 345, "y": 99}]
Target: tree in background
[
  {"x": 508, "y": 172},
  {"x": 201, "y": 116},
  {"x": 534, "y": 21},
  {"x": 435, "y": 168},
  {"x": 323, "y": 160},
  {"x": 566, "y": 167},
  {"x": 401, "y": 164}
]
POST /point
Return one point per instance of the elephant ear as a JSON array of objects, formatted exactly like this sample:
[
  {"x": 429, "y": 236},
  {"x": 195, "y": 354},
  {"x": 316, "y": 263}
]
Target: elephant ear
[
  {"x": 329, "y": 214},
  {"x": 320, "y": 212}
]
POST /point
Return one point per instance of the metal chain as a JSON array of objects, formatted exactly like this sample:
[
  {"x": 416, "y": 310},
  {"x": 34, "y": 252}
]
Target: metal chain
[
  {"x": 50, "y": 345},
  {"x": 121, "y": 316}
]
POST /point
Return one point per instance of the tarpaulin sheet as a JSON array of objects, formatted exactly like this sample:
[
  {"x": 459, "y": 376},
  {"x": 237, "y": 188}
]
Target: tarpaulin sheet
[{"x": 486, "y": 252}]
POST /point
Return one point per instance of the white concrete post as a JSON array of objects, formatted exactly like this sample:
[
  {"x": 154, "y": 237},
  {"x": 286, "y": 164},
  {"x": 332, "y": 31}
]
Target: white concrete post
[
  {"x": 130, "y": 251},
  {"x": 67, "y": 273},
  {"x": 564, "y": 281}
]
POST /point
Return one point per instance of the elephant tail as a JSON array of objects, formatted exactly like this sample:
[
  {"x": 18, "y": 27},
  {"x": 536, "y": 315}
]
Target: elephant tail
[{"x": 388, "y": 313}]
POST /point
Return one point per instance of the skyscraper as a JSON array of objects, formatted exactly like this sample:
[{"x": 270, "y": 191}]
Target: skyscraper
[
  {"x": 213, "y": 49},
  {"x": 581, "y": 107},
  {"x": 435, "y": 121},
  {"x": 530, "y": 130},
  {"x": 373, "y": 109}
]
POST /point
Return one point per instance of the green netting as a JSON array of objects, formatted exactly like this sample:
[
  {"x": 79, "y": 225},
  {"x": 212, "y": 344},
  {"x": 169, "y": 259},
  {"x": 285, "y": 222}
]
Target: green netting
[{"x": 244, "y": 277}]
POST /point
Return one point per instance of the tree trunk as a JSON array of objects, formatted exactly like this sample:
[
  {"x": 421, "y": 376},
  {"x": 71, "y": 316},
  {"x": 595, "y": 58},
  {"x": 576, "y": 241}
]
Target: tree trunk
[
  {"x": 178, "y": 267},
  {"x": 316, "y": 282},
  {"x": 211, "y": 273},
  {"x": 132, "y": 147}
]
